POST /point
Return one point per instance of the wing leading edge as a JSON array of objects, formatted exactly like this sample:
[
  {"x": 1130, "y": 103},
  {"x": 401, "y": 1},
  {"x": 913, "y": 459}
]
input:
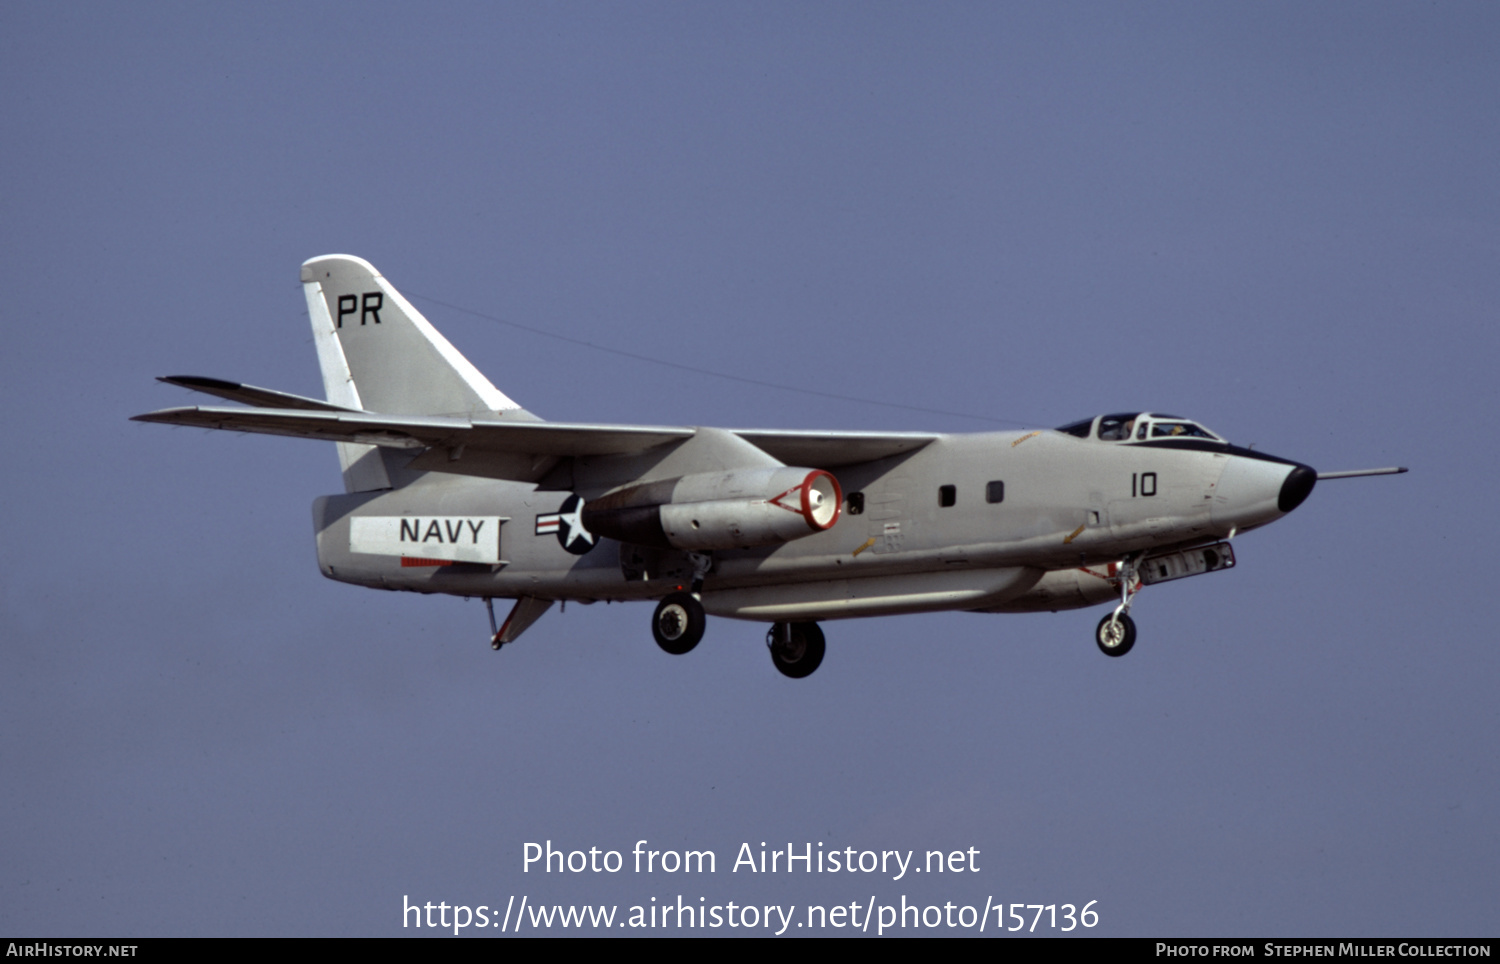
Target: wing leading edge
[{"x": 460, "y": 434}]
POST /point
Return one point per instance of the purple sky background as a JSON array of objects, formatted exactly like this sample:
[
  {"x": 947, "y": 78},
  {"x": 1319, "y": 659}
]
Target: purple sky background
[{"x": 1280, "y": 219}]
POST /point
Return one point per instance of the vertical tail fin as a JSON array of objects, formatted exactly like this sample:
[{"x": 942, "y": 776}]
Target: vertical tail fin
[{"x": 378, "y": 353}]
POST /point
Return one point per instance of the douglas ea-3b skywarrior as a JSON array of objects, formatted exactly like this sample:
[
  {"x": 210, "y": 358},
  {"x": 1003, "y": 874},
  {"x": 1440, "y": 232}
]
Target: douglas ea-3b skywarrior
[{"x": 451, "y": 487}]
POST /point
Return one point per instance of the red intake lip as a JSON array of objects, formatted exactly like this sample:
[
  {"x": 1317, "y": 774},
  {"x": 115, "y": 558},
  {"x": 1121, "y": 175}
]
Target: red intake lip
[{"x": 807, "y": 506}]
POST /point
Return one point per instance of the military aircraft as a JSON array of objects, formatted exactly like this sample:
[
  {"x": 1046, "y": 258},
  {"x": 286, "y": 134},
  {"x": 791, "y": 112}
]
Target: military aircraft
[{"x": 452, "y": 487}]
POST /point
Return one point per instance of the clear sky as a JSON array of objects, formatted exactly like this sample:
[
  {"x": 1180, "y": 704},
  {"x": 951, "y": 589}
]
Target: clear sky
[{"x": 1281, "y": 219}]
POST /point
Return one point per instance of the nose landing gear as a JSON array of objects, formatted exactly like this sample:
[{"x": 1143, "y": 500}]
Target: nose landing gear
[{"x": 1115, "y": 633}]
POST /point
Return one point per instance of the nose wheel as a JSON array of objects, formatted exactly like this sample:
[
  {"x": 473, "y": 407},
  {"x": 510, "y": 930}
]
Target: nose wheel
[
  {"x": 796, "y": 648},
  {"x": 1115, "y": 635},
  {"x": 678, "y": 623}
]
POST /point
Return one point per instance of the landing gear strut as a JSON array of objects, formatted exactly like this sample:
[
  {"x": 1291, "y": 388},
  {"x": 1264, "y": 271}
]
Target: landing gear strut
[
  {"x": 796, "y": 648},
  {"x": 678, "y": 623},
  {"x": 489, "y": 607},
  {"x": 1115, "y": 633}
]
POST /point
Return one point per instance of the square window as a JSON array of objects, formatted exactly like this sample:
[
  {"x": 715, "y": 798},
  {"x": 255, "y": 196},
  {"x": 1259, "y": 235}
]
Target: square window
[
  {"x": 856, "y": 502},
  {"x": 947, "y": 495},
  {"x": 994, "y": 492}
]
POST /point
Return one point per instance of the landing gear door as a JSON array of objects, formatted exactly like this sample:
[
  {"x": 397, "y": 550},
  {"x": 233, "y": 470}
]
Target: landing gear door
[{"x": 1190, "y": 562}]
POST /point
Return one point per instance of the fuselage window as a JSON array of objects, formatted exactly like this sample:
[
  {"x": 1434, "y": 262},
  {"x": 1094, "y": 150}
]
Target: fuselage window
[
  {"x": 856, "y": 503},
  {"x": 994, "y": 492},
  {"x": 947, "y": 495}
]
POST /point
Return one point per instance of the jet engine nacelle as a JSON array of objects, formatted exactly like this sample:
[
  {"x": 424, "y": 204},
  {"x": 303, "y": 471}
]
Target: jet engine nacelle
[{"x": 738, "y": 509}]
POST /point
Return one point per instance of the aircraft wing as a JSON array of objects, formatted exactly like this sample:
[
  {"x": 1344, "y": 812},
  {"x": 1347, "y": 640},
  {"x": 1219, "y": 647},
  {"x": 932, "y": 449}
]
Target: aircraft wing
[
  {"x": 282, "y": 413},
  {"x": 426, "y": 431},
  {"x": 823, "y": 450},
  {"x": 791, "y": 446}
]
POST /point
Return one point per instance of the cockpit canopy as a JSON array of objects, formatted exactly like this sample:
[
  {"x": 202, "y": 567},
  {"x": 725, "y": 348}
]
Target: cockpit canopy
[{"x": 1138, "y": 427}]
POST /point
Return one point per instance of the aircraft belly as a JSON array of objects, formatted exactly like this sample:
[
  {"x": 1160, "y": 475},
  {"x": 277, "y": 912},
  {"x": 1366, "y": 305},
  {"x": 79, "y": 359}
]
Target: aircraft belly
[
  {"x": 873, "y": 595},
  {"x": 1061, "y": 589}
]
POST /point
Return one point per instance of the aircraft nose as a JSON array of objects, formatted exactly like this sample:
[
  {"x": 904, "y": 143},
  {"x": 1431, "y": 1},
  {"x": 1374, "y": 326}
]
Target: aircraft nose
[
  {"x": 1256, "y": 488},
  {"x": 1297, "y": 487}
]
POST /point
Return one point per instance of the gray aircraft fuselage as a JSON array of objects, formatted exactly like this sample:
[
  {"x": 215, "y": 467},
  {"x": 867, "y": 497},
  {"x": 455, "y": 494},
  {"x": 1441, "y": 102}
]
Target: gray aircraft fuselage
[{"x": 1064, "y": 503}]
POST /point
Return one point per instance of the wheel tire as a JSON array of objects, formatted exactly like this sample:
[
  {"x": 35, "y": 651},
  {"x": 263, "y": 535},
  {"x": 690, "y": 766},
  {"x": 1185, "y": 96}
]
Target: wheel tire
[
  {"x": 1115, "y": 639},
  {"x": 678, "y": 623},
  {"x": 799, "y": 651}
]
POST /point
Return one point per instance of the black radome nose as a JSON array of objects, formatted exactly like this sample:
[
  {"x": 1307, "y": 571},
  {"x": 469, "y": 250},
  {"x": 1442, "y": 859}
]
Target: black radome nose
[{"x": 1297, "y": 487}]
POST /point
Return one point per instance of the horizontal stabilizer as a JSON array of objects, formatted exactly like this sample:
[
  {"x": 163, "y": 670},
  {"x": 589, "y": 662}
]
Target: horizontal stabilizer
[{"x": 250, "y": 395}]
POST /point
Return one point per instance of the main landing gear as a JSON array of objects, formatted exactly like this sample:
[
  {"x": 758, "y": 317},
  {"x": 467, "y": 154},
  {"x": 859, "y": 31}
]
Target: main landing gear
[
  {"x": 1115, "y": 633},
  {"x": 678, "y": 623},
  {"x": 796, "y": 648}
]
